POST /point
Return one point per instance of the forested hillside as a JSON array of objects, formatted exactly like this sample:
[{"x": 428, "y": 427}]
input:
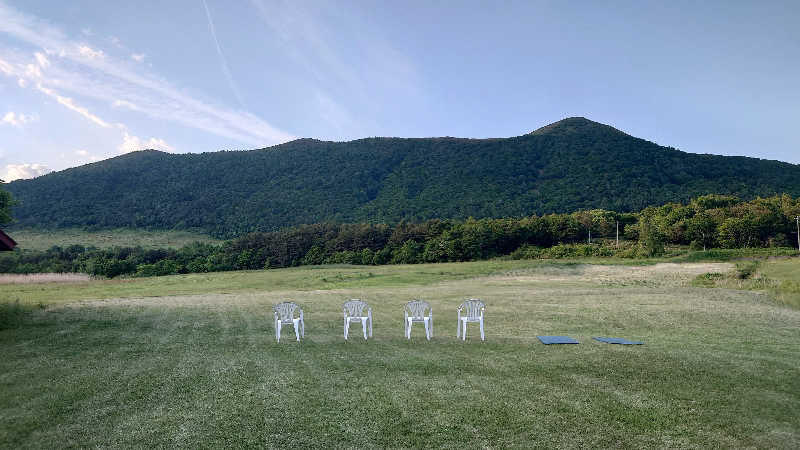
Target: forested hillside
[
  {"x": 570, "y": 165},
  {"x": 707, "y": 222}
]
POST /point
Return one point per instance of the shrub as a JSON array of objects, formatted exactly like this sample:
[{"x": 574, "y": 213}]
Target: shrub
[
  {"x": 745, "y": 269},
  {"x": 314, "y": 256},
  {"x": 163, "y": 267},
  {"x": 408, "y": 253},
  {"x": 707, "y": 279}
]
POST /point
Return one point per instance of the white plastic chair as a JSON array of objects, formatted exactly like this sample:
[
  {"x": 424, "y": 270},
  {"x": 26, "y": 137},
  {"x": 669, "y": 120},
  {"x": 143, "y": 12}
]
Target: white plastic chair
[
  {"x": 414, "y": 311},
  {"x": 472, "y": 310},
  {"x": 354, "y": 312},
  {"x": 284, "y": 315}
]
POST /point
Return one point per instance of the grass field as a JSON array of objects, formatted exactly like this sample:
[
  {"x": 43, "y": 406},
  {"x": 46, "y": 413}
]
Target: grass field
[
  {"x": 191, "y": 361},
  {"x": 779, "y": 277},
  {"x": 786, "y": 272},
  {"x": 43, "y": 240}
]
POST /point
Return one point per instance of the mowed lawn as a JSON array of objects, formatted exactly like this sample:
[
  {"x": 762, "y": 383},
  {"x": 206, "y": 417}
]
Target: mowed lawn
[{"x": 191, "y": 361}]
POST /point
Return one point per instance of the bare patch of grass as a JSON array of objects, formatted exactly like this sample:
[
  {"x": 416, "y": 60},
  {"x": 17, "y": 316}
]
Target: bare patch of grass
[{"x": 660, "y": 274}]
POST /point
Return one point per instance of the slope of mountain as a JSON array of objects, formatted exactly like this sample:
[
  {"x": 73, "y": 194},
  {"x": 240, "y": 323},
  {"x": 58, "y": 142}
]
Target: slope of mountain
[{"x": 571, "y": 164}]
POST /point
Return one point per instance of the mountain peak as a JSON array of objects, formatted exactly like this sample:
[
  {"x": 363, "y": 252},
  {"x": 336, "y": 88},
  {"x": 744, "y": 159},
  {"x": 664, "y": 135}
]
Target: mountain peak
[{"x": 572, "y": 125}]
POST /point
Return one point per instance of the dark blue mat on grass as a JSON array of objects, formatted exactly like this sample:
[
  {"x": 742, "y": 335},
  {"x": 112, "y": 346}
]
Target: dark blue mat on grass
[
  {"x": 557, "y": 340},
  {"x": 617, "y": 341}
]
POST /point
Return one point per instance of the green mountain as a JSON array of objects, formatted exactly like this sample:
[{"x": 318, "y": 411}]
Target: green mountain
[{"x": 571, "y": 164}]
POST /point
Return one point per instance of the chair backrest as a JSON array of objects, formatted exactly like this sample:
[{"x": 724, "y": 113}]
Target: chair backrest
[
  {"x": 417, "y": 308},
  {"x": 355, "y": 308},
  {"x": 286, "y": 310},
  {"x": 472, "y": 308}
]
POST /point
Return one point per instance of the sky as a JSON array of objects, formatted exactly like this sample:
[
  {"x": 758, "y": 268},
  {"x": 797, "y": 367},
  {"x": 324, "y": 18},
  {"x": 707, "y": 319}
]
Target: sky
[{"x": 82, "y": 81}]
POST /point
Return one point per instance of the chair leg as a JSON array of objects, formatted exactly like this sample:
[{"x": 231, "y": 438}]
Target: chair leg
[
  {"x": 428, "y": 329},
  {"x": 346, "y": 326},
  {"x": 483, "y": 337},
  {"x": 278, "y": 331},
  {"x": 464, "y": 333},
  {"x": 408, "y": 330},
  {"x": 364, "y": 327},
  {"x": 297, "y": 330},
  {"x": 370, "y": 327},
  {"x": 458, "y": 329}
]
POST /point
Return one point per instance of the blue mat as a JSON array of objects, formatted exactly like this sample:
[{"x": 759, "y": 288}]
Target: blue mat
[
  {"x": 617, "y": 341},
  {"x": 557, "y": 340}
]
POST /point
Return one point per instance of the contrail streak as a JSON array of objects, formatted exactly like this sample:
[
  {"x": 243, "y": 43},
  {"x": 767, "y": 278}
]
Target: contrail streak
[{"x": 222, "y": 60}]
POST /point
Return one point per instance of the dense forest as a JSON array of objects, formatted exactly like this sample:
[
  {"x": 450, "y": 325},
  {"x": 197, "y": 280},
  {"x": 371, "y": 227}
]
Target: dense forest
[
  {"x": 704, "y": 222},
  {"x": 574, "y": 164}
]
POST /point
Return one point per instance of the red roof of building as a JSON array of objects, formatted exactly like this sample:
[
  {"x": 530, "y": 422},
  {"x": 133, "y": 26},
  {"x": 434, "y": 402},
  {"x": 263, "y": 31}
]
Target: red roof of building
[{"x": 6, "y": 243}]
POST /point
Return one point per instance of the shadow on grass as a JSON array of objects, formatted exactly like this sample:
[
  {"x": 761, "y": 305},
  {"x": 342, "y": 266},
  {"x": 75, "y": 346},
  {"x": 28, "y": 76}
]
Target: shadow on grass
[{"x": 16, "y": 315}]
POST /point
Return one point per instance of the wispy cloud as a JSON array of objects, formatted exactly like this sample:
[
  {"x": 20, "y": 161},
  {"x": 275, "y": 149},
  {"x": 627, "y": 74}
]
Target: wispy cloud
[
  {"x": 132, "y": 143},
  {"x": 83, "y": 70},
  {"x": 86, "y": 156},
  {"x": 222, "y": 60},
  {"x": 90, "y": 53},
  {"x": 70, "y": 104},
  {"x": 138, "y": 57},
  {"x": 17, "y": 119},
  {"x": 42, "y": 60},
  {"x": 20, "y": 171},
  {"x": 349, "y": 81},
  {"x": 125, "y": 104}
]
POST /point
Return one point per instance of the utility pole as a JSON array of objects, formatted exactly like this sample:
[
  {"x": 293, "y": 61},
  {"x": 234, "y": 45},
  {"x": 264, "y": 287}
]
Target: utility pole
[
  {"x": 590, "y": 235},
  {"x": 798, "y": 232},
  {"x": 618, "y": 234}
]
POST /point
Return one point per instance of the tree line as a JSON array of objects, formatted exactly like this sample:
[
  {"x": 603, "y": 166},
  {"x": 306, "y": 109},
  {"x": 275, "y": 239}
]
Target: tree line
[{"x": 711, "y": 221}]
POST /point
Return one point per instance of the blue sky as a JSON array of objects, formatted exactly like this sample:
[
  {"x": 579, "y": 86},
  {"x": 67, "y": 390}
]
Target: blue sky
[{"x": 82, "y": 81}]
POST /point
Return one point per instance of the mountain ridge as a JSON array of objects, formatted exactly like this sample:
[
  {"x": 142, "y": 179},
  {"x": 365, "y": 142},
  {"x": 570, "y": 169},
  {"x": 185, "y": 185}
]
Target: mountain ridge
[{"x": 571, "y": 164}]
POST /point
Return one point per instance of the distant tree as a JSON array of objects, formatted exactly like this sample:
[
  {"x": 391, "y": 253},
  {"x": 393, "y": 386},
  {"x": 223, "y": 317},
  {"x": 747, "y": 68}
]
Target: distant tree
[
  {"x": 603, "y": 222},
  {"x": 701, "y": 230},
  {"x": 713, "y": 201},
  {"x": 586, "y": 219},
  {"x": 6, "y": 202},
  {"x": 736, "y": 232},
  {"x": 651, "y": 239}
]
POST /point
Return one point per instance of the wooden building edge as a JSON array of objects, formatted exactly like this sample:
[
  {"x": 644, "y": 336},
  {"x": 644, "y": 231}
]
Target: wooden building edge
[{"x": 6, "y": 243}]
